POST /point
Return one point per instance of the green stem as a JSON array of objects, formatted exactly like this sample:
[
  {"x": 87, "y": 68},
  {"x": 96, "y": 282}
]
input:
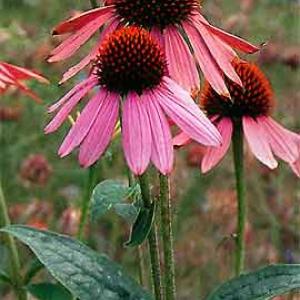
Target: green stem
[
  {"x": 140, "y": 252},
  {"x": 238, "y": 147},
  {"x": 142, "y": 266},
  {"x": 152, "y": 240},
  {"x": 86, "y": 201},
  {"x": 14, "y": 255},
  {"x": 167, "y": 236}
]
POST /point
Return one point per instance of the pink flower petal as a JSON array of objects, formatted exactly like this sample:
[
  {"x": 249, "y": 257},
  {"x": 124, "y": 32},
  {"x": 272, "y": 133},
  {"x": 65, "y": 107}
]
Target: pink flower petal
[
  {"x": 158, "y": 36},
  {"x": 162, "y": 149},
  {"x": 81, "y": 88},
  {"x": 296, "y": 167},
  {"x": 181, "y": 63},
  {"x": 207, "y": 62},
  {"x": 283, "y": 142},
  {"x": 77, "y": 22},
  {"x": 83, "y": 124},
  {"x": 180, "y": 107},
  {"x": 258, "y": 142},
  {"x": 20, "y": 73},
  {"x": 181, "y": 139},
  {"x": 77, "y": 39},
  {"x": 232, "y": 40},
  {"x": 213, "y": 155},
  {"x": 69, "y": 102},
  {"x": 6, "y": 78},
  {"x": 217, "y": 51},
  {"x": 136, "y": 133},
  {"x": 99, "y": 136},
  {"x": 94, "y": 52}
]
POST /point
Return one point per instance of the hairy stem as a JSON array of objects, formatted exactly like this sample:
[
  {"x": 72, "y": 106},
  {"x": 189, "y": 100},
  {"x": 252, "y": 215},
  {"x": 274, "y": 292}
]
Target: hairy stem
[
  {"x": 152, "y": 240},
  {"x": 86, "y": 201},
  {"x": 15, "y": 264},
  {"x": 142, "y": 266},
  {"x": 167, "y": 237},
  {"x": 238, "y": 147}
]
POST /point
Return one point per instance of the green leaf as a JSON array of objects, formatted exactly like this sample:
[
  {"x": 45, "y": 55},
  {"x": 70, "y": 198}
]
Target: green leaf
[
  {"x": 265, "y": 283},
  {"x": 127, "y": 211},
  {"x": 85, "y": 273},
  {"x": 4, "y": 277},
  {"x": 49, "y": 291},
  {"x": 105, "y": 195},
  {"x": 142, "y": 226}
]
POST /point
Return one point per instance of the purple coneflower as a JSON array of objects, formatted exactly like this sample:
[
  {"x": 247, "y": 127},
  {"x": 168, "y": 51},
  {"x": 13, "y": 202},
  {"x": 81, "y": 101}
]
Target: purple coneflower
[
  {"x": 252, "y": 105},
  {"x": 130, "y": 75},
  {"x": 171, "y": 22}
]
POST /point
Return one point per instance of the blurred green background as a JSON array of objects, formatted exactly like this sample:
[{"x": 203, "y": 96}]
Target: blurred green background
[{"x": 204, "y": 205}]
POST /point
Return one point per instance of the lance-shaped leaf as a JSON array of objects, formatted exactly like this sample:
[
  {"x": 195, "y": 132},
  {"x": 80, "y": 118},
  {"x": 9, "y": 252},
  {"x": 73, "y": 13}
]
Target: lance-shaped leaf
[
  {"x": 142, "y": 226},
  {"x": 49, "y": 291},
  {"x": 85, "y": 273},
  {"x": 265, "y": 283}
]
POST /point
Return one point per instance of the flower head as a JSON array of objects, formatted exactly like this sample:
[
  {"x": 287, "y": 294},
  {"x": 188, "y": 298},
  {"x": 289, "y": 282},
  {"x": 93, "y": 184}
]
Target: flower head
[
  {"x": 251, "y": 105},
  {"x": 130, "y": 61},
  {"x": 13, "y": 76},
  {"x": 131, "y": 67},
  {"x": 145, "y": 105},
  {"x": 166, "y": 20}
]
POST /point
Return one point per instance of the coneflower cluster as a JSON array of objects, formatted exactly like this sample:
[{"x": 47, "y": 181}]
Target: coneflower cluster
[
  {"x": 131, "y": 76},
  {"x": 170, "y": 23},
  {"x": 144, "y": 69}
]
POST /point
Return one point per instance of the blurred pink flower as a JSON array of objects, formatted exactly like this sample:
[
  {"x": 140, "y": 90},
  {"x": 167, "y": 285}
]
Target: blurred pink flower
[
  {"x": 170, "y": 22},
  {"x": 131, "y": 65},
  {"x": 36, "y": 170},
  {"x": 252, "y": 106},
  {"x": 11, "y": 75}
]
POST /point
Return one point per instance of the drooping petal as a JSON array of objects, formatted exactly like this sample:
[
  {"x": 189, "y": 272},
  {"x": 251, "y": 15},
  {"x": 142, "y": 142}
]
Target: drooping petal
[
  {"x": 181, "y": 139},
  {"x": 180, "y": 107},
  {"x": 83, "y": 124},
  {"x": 68, "y": 47},
  {"x": 81, "y": 88},
  {"x": 14, "y": 75},
  {"x": 181, "y": 63},
  {"x": 68, "y": 102},
  {"x": 94, "y": 52},
  {"x": 207, "y": 62},
  {"x": 162, "y": 149},
  {"x": 20, "y": 73},
  {"x": 75, "y": 23},
  {"x": 217, "y": 51},
  {"x": 258, "y": 142},
  {"x": 213, "y": 155},
  {"x": 99, "y": 136},
  {"x": 136, "y": 133},
  {"x": 283, "y": 142},
  {"x": 6, "y": 78},
  {"x": 230, "y": 39},
  {"x": 296, "y": 166}
]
